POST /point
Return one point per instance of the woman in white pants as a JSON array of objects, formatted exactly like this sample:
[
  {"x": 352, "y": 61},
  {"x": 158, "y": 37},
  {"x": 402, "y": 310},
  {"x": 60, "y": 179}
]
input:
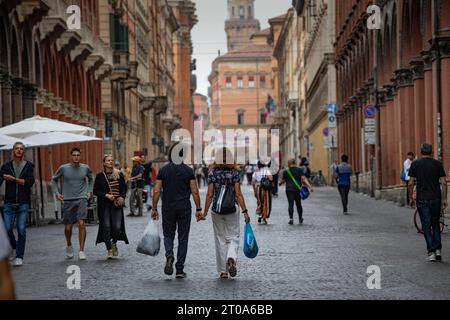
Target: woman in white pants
[{"x": 223, "y": 182}]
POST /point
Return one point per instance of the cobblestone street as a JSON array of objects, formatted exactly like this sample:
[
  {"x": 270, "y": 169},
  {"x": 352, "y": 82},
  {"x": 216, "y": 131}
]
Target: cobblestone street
[{"x": 325, "y": 258}]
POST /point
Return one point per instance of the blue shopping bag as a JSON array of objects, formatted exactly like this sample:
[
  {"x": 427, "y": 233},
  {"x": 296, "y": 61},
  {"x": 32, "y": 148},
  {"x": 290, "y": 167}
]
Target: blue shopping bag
[
  {"x": 250, "y": 245},
  {"x": 304, "y": 193}
]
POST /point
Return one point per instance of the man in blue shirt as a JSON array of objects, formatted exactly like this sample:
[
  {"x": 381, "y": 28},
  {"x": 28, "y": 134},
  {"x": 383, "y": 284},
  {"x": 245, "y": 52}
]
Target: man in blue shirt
[{"x": 343, "y": 173}]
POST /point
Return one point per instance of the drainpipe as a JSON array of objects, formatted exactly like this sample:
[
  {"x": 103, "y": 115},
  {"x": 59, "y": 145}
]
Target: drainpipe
[{"x": 435, "y": 45}]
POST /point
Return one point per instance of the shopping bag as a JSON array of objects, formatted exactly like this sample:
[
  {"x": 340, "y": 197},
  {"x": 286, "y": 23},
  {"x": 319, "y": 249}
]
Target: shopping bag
[
  {"x": 250, "y": 245},
  {"x": 304, "y": 193},
  {"x": 150, "y": 241}
]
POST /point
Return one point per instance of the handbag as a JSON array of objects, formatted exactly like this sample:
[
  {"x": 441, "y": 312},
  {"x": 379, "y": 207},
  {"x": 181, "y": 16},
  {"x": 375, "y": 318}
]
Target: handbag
[
  {"x": 304, "y": 191},
  {"x": 115, "y": 202}
]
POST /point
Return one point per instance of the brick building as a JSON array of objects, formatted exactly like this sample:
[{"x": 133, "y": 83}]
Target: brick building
[{"x": 406, "y": 65}]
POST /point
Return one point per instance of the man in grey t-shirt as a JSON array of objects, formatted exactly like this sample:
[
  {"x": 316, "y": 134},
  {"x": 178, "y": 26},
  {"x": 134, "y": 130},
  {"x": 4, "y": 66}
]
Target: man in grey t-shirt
[
  {"x": 77, "y": 188},
  {"x": 6, "y": 282}
]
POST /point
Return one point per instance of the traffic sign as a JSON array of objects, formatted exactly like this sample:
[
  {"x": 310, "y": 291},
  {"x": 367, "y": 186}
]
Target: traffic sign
[
  {"x": 369, "y": 111},
  {"x": 332, "y": 120},
  {"x": 325, "y": 132}
]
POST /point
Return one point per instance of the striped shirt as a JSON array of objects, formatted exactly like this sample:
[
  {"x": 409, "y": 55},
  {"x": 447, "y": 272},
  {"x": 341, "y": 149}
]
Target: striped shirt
[{"x": 114, "y": 185}]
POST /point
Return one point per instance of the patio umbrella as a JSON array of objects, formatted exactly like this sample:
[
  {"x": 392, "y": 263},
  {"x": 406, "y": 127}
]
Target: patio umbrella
[
  {"x": 8, "y": 140},
  {"x": 38, "y": 124},
  {"x": 47, "y": 139}
]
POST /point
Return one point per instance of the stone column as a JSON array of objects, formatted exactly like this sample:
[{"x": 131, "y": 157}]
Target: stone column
[
  {"x": 6, "y": 85},
  {"x": 419, "y": 103},
  {"x": 444, "y": 47}
]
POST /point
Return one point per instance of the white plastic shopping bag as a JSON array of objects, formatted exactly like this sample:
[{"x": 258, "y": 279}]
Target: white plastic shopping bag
[{"x": 150, "y": 241}]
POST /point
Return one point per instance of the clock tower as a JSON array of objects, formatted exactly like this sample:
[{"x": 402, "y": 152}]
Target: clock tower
[{"x": 241, "y": 23}]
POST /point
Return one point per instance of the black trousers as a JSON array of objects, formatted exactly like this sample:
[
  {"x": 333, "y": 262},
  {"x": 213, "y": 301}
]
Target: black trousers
[
  {"x": 171, "y": 219},
  {"x": 275, "y": 184},
  {"x": 294, "y": 197},
  {"x": 112, "y": 225},
  {"x": 343, "y": 191}
]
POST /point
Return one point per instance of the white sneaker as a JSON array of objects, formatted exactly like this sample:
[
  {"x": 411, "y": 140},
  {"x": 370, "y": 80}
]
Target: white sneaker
[
  {"x": 12, "y": 256},
  {"x": 438, "y": 255},
  {"x": 81, "y": 255},
  {"x": 18, "y": 262},
  {"x": 431, "y": 257},
  {"x": 69, "y": 253},
  {"x": 109, "y": 255}
]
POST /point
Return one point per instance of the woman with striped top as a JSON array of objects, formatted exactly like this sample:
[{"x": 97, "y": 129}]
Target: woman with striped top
[{"x": 111, "y": 190}]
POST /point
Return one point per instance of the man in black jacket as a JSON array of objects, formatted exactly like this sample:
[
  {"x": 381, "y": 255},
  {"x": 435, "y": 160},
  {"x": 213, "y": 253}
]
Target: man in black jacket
[{"x": 19, "y": 177}]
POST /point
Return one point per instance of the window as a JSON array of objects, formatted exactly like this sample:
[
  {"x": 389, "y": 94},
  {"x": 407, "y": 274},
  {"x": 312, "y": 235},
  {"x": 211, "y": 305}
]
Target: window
[
  {"x": 240, "y": 83},
  {"x": 263, "y": 118},
  {"x": 228, "y": 82},
  {"x": 241, "y": 12},
  {"x": 262, "y": 81},
  {"x": 240, "y": 119},
  {"x": 251, "y": 82},
  {"x": 232, "y": 11},
  {"x": 250, "y": 12}
]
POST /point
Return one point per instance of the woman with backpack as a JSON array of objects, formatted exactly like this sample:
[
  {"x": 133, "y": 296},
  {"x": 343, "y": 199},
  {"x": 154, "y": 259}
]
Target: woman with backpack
[
  {"x": 262, "y": 182},
  {"x": 224, "y": 193}
]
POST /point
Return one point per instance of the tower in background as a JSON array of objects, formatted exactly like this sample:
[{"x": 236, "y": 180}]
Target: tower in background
[{"x": 241, "y": 24}]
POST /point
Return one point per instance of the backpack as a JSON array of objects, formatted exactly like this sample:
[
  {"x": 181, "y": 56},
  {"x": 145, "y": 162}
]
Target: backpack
[{"x": 224, "y": 200}]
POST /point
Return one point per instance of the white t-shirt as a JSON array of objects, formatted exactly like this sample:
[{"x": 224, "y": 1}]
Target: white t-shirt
[
  {"x": 261, "y": 173},
  {"x": 406, "y": 166},
  {"x": 5, "y": 248}
]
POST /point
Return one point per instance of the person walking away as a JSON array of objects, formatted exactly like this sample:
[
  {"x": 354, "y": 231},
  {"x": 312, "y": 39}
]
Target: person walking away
[
  {"x": 304, "y": 165},
  {"x": 249, "y": 169},
  {"x": 137, "y": 185},
  {"x": 77, "y": 188},
  {"x": 224, "y": 192},
  {"x": 7, "y": 291},
  {"x": 262, "y": 181},
  {"x": 177, "y": 183},
  {"x": 431, "y": 198},
  {"x": 343, "y": 173},
  {"x": 199, "y": 175},
  {"x": 148, "y": 184},
  {"x": 19, "y": 177},
  {"x": 405, "y": 173},
  {"x": 111, "y": 190},
  {"x": 294, "y": 178}
]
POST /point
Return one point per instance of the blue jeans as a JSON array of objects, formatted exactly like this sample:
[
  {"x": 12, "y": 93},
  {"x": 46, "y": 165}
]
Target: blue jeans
[
  {"x": 19, "y": 212},
  {"x": 430, "y": 213}
]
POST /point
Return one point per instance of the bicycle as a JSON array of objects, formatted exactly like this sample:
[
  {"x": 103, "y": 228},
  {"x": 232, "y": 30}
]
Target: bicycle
[
  {"x": 418, "y": 223},
  {"x": 318, "y": 180}
]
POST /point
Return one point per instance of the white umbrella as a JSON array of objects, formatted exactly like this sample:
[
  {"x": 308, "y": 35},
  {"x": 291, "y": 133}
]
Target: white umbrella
[
  {"x": 38, "y": 124},
  {"x": 50, "y": 139},
  {"x": 8, "y": 140}
]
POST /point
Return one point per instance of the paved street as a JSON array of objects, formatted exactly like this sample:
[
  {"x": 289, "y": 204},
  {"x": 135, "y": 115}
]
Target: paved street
[{"x": 326, "y": 258}]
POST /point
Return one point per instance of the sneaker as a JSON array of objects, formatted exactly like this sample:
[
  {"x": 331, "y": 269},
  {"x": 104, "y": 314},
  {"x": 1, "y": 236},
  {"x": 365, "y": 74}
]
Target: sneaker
[
  {"x": 265, "y": 221},
  {"x": 232, "y": 267},
  {"x": 438, "y": 255},
  {"x": 301, "y": 220},
  {"x": 12, "y": 256},
  {"x": 181, "y": 275},
  {"x": 81, "y": 255},
  {"x": 168, "y": 269},
  {"x": 69, "y": 252},
  {"x": 115, "y": 250},
  {"x": 18, "y": 262},
  {"x": 431, "y": 257},
  {"x": 291, "y": 221},
  {"x": 259, "y": 220},
  {"x": 109, "y": 255}
]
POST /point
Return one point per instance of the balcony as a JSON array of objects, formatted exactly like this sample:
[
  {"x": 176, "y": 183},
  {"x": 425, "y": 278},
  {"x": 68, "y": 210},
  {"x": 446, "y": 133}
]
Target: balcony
[{"x": 132, "y": 81}]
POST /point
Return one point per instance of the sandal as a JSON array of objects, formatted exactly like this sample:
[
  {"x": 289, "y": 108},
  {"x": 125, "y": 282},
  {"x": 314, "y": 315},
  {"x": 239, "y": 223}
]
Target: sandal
[
  {"x": 232, "y": 267},
  {"x": 223, "y": 275}
]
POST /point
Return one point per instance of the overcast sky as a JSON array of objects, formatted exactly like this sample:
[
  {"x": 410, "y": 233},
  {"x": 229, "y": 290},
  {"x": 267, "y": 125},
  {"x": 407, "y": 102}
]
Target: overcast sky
[{"x": 209, "y": 34}]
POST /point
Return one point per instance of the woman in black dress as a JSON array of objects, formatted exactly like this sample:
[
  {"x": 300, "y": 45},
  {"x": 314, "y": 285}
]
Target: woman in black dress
[{"x": 111, "y": 191}]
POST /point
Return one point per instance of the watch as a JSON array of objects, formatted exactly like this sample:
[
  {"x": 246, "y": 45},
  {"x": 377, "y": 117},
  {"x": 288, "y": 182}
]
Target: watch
[
  {"x": 245, "y": 211},
  {"x": 199, "y": 209}
]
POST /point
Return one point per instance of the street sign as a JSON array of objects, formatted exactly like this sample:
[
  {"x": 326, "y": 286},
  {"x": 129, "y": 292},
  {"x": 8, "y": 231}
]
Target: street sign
[
  {"x": 369, "y": 124},
  {"x": 369, "y": 111},
  {"x": 325, "y": 132},
  {"x": 332, "y": 108},
  {"x": 332, "y": 120}
]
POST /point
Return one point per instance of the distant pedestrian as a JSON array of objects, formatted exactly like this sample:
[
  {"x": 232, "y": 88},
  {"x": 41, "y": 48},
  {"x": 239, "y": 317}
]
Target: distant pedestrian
[
  {"x": 333, "y": 168},
  {"x": 199, "y": 175},
  {"x": 294, "y": 178},
  {"x": 137, "y": 186},
  {"x": 304, "y": 164},
  {"x": 344, "y": 172},
  {"x": 262, "y": 182},
  {"x": 177, "y": 183},
  {"x": 224, "y": 193},
  {"x": 148, "y": 183},
  {"x": 405, "y": 173},
  {"x": 111, "y": 190},
  {"x": 19, "y": 177},
  {"x": 249, "y": 169},
  {"x": 77, "y": 188},
  {"x": 6, "y": 281},
  {"x": 431, "y": 198}
]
